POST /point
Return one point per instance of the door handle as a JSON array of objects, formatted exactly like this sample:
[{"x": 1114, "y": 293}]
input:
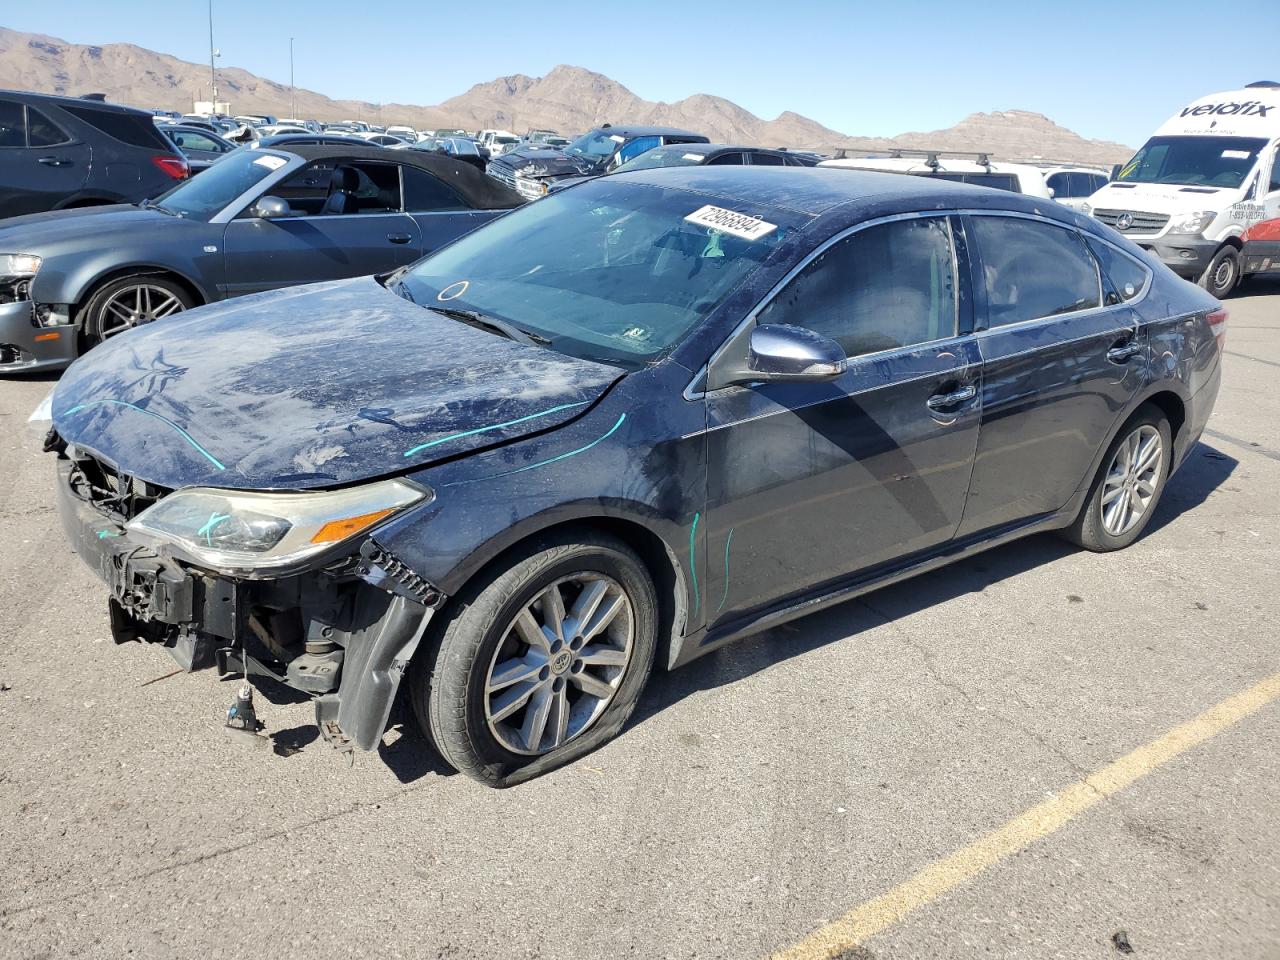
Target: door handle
[
  {"x": 399, "y": 237},
  {"x": 940, "y": 401},
  {"x": 53, "y": 162},
  {"x": 1123, "y": 351}
]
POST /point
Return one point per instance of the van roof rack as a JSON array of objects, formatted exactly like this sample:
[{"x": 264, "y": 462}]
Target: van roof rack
[{"x": 931, "y": 156}]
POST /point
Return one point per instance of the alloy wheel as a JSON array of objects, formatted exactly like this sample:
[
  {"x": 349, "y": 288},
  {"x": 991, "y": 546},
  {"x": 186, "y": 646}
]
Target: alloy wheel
[
  {"x": 559, "y": 663},
  {"x": 133, "y": 305},
  {"x": 1132, "y": 480}
]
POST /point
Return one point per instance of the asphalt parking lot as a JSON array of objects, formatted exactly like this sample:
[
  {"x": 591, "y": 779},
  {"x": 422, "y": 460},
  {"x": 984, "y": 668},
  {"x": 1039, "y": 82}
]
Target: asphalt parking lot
[{"x": 1040, "y": 753}]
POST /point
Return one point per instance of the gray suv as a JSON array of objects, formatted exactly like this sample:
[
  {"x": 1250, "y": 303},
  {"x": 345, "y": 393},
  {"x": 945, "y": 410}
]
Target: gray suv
[{"x": 60, "y": 152}]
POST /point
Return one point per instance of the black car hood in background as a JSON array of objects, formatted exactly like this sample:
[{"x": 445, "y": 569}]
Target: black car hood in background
[
  {"x": 544, "y": 162},
  {"x": 309, "y": 387}
]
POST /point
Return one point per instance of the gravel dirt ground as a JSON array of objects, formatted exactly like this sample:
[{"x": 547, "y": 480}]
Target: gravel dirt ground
[{"x": 757, "y": 795}]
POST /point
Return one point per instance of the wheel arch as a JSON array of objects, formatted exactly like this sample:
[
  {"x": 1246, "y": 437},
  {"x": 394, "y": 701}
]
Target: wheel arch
[
  {"x": 660, "y": 560},
  {"x": 89, "y": 287}
]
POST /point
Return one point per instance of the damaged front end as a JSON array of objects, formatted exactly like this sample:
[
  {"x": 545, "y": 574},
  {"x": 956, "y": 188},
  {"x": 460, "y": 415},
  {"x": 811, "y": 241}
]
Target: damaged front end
[{"x": 217, "y": 579}]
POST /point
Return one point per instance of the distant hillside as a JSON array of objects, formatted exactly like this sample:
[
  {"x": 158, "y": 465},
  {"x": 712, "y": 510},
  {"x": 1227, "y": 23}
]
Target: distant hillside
[{"x": 568, "y": 99}]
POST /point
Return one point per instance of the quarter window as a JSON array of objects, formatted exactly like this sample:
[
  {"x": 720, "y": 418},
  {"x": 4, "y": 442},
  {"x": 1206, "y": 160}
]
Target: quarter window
[
  {"x": 1060, "y": 184},
  {"x": 1033, "y": 269},
  {"x": 1122, "y": 276},
  {"x": 424, "y": 193},
  {"x": 888, "y": 286}
]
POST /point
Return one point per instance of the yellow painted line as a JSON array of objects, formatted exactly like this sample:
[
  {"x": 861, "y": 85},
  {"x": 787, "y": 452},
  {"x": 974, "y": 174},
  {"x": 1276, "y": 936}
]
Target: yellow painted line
[{"x": 943, "y": 876}]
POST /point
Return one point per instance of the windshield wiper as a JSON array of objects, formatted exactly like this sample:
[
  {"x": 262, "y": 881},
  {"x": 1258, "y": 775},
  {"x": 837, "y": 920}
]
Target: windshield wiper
[
  {"x": 483, "y": 321},
  {"x": 152, "y": 205}
]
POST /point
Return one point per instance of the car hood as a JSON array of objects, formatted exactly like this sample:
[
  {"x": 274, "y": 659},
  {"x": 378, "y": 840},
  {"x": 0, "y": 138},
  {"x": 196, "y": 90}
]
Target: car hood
[
  {"x": 1159, "y": 198},
  {"x": 311, "y": 387},
  {"x": 540, "y": 162},
  {"x": 84, "y": 227}
]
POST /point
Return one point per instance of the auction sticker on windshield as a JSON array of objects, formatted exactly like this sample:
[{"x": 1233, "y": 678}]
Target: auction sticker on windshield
[
  {"x": 735, "y": 224},
  {"x": 271, "y": 163}
]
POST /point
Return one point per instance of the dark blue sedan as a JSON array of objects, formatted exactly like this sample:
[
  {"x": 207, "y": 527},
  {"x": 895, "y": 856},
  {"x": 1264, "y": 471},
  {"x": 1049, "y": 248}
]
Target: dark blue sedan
[{"x": 627, "y": 424}]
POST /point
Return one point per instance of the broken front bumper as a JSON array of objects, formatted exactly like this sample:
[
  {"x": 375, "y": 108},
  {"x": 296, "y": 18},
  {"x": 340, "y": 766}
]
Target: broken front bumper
[
  {"x": 343, "y": 633},
  {"x": 26, "y": 346}
]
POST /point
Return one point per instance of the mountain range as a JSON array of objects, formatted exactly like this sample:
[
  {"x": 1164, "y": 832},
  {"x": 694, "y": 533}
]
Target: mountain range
[{"x": 568, "y": 99}]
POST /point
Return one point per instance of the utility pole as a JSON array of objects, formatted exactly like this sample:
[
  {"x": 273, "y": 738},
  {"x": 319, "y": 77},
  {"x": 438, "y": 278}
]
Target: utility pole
[{"x": 293, "y": 110}]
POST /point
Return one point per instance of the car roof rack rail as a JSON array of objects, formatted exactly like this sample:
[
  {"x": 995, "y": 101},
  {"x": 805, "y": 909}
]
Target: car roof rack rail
[{"x": 983, "y": 157}]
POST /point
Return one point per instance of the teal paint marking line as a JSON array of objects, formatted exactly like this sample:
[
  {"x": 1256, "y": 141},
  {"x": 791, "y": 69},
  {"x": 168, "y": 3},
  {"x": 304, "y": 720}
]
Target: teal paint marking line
[
  {"x": 693, "y": 563},
  {"x": 165, "y": 420},
  {"x": 206, "y": 531},
  {"x": 543, "y": 463},
  {"x": 727, "y": 541},
  {"x": 103, "y": 534},
  {"x": 497, "y": 426}
]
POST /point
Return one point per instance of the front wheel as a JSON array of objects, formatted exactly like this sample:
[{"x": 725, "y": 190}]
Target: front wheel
[
  {"x": 1128, "y": 486},
  {"x": 541, "y": 662},
  {"x": 1223, "y": 273},
  {"x": 128, "y": 302}
]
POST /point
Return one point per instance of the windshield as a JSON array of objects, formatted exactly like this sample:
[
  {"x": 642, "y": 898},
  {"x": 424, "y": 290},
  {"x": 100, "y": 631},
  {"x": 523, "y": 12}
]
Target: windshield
[
  {"x": 200, "y": 198},
  {"x": 1193, "y": 161},
  {"x": 664, "y": 157},
  {"x": 596, "y": 145},
  {"x": 607, "y": 271}
]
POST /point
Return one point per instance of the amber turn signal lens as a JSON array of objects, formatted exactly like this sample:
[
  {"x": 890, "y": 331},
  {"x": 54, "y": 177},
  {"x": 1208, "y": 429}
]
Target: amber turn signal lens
[{"x": 336, "y": 530}]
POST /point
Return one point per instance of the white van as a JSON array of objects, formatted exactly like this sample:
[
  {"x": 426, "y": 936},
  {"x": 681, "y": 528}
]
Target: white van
[
  {"x": 981, "y": 171},
  {"x": 1205, "y": 176}
]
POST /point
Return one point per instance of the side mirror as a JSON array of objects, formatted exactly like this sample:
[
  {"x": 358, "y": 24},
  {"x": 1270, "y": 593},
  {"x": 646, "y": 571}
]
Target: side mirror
[
  {"x": 782, "y": 352},
  {"x": 1052, "y": 192},
  {"x": 270, "y": 208}
]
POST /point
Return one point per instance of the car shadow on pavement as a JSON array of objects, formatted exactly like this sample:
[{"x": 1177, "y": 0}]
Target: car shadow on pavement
[{"x": 1205, "y": 469}]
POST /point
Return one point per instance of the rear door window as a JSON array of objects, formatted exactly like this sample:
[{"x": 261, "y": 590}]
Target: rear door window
[
  {"x": 424, "y": 193},
  {"x": 13, "y": 125},
  {"x": 1034, "y": 269},
  {"x": 726, "y": 160},
  {"x": 1060, "y": 184},
  {"x": 767, "y": 160},
  {"x": 43, "y": 132},
  {"x": 885, "y": 287}
]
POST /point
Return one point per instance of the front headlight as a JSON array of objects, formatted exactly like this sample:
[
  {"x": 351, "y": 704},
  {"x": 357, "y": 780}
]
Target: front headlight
[
  {"x": 1192, "y": 222},
  {"x": 245, "y": 530},
  {"x": 19, "y": 265}
]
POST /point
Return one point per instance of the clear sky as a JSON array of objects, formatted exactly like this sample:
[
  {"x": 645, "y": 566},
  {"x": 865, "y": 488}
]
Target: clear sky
[{"x": 1109, "y": 70}]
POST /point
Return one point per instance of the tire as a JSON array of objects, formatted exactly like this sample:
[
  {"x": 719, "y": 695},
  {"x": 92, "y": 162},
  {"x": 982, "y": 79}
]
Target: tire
[
  {"x": 1223, "y": 273},
  {"x": 459, "y": 693},
  {"x": 129, "y": 301},
  {"x": 1096, "y": 528}
]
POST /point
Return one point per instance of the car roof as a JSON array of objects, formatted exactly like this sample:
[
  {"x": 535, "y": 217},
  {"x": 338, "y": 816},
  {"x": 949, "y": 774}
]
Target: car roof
[
  {"x": 629, "y": 131},
  {"x": 58, "y": 100},
  {"x": 847, "y": 194},
  {"x": 480, "y": 191}
]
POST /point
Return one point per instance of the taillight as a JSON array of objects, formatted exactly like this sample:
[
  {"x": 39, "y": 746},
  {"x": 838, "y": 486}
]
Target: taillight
[
  {"x": 1218, "y": 325},
  {"x": 174, "y": 167}
]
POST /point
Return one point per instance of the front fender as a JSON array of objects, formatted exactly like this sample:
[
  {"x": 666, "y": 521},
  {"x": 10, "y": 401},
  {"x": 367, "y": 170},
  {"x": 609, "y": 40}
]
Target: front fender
[{"x": 70, "y": 277}]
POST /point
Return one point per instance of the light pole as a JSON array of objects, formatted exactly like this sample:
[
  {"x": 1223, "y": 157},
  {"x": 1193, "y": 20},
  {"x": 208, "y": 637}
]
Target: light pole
[
  {"x": 293, "y": 110},
  {"x": 213, "y": 72}
]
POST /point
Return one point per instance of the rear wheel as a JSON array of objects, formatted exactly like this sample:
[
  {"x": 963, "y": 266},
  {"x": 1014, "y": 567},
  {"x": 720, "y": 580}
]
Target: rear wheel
[
  {"x": 542, "y": 662},
  {"x": 1128, "y": 486},
  {"x": 128, "y": 302},
  {"x": 1223, "y": 272}
]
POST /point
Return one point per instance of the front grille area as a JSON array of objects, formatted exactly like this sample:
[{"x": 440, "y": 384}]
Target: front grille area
[
  {"x": 527, "y": 188},
  {"x": 1141, "y": 222},
  {"x": 110, "y": 491}
]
